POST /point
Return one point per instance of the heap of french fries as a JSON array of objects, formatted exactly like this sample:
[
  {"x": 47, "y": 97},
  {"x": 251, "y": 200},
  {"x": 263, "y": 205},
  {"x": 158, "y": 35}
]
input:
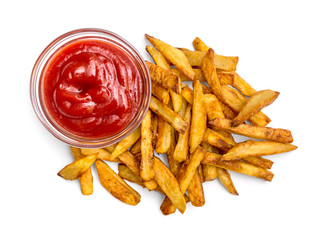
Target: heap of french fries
[{"x": 192, "y": 127}]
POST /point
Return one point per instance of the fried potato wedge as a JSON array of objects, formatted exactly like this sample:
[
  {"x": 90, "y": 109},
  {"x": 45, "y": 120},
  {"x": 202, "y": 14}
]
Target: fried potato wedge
[
  {"x": 259, "y": 162},
  {"x": 126, "y": 143},
  {"x": 267, "y": 133},
  {"x": 199, "y": 45},
  {"x": 101, "y": 153},
  {"x": 187, "y": 93},
  {"x": 110, "y": 148},
  {"x": 255, "y": 148},
  {"x": 254, "y": 104},
  {"x": 164, "y": 136},
  {"x": 220, "y": 62},
  {"x": 169, "y": 185},
  {"x": 228, "y": 112},
  {"x": 174, "y": 55},
  {"x": 182, "y": 146},
  {"x": 160, "y": 92},
  {"x": 136, "y": 148},
  {"x": 188, "y": 169},
  {"x": 195, "y": 191},
  {"x": 163, "y": 77},
  {"x": 237, "y": 166},
  {"x": 225, "y": 179},
  {"x": 151, "y": 185},
  {"x": 130, "y": 161},
  {"x": 229, "y": 96},
  {"x": 158, "y": 57},
  {"x": 146, "y": 164},
  {"x": 86, "y": 180},
  {"x": 168, "y": 115},
  {"x": 209, "y": 172},
  {"x": 219, "y": 140},
  {"x": 168, "y": 208},
  {"x": 174, "y": 165},
  {"x": 177, "y": 101},
  {"x": 199, "y": 117},
  {"x": 213, "y": 108},
  {"x": 77, "y": 168},
  {"x": 129, "y": 175},
  {"x": 240, "y": 84},
  {"x": 115, "y": 185}
]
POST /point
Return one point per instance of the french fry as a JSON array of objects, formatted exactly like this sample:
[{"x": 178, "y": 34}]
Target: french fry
[
  {"x": 267, "y": 133},
  {"x": 150, "y": 185},
  {"x": 229, "y": 96},
  {"x": 169, "y": 185},
  {"x": 115, "y": 185},
  {"x": 237, "y": 166},
  {"x": 199, "y": 45},
  {"x": 101, "y": 153},
  {"x": 195, "y": 191},
  {"x": 213, "y": 108},
  {"x": 199, "y": 117},
  {"x": 177, "y": 101},
  {"x": 127, "y": 174},
  {"x": 168, "y": 115},
  {"x": 218, "y": 140},
  {"x": 198, "y": 75},
  {"x": 220, "y": 62},
  {"x": 146, "y": 164},
  {"x": 181, "y": 149},
  {"x": 259, "y": 162},
  {"x": 130, "y": 161},
  {"x": 163, "y": 77},
  {"x": 174, "y": 165},
  {"x": 254, "y": 104},
  {"x": 209, "y": 172},
  {"x": 160, "y": 92},
  {"x": 110, "y": 148},
  {"x": 86, "y": 180},
  {"x": 174, "y": 55},
  {"x": 187, "y": 93},
  {"x": 240, "y": 84},
  {"x": 155, "y": 122},
  {"x": 168, "y": 208},
  {"x": 126, "y": 143},
  {"x": 255, "y": 148},
  {"x": 164, "y": 136},
  {"x": 187, "y": 171},
  {"x": 228, "y": 112},
  {"x": 77, "y": 168},
  {"x": 136, "y": 148},
  {"x": 182, "y": 110},
  {"x": 158, "y": 58},
  {"x": 225, "y": 178}
]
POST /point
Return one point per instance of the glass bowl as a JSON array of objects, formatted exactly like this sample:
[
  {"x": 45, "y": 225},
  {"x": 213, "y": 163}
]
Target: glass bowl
[{"x": 37, "y": 98}]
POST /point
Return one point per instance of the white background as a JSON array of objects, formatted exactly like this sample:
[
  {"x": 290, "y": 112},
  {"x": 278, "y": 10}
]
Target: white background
[{"x": 282, "y": 46}]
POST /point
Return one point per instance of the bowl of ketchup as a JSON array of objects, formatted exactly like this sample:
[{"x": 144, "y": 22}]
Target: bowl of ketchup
[{"x": 90, "y": 88}]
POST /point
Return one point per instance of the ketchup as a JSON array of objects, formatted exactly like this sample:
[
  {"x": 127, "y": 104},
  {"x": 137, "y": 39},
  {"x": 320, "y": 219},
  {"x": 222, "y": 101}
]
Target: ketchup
[{"x": 92, "y": 88}]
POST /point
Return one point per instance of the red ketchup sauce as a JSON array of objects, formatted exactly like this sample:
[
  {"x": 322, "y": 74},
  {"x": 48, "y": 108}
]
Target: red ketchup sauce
[{"x": 92, "y": 88}]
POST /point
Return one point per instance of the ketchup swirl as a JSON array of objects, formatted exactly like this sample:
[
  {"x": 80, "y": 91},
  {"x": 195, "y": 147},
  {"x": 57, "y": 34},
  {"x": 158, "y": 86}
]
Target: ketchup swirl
[{"x": 92, "y": 88}]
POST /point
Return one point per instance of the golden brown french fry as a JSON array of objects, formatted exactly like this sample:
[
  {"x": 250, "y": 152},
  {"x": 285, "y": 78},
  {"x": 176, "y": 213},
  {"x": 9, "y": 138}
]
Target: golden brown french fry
[
  {"x": 181, "y": 149},
  {"x": 160, "y": 92},
  {"x": 168, "y": 208},
  {"x": 174, "y": 55},
  {"x": 225, "y": 178},
  {"x": 240, "y": 84},
  {"x": 174, "y": 165},
  {"x": 195, "y": 191},
  {"x": 164, "y": 136},
  {"x": 267, "y": 133},
  {"x": 254, "y": 104},
  {"x": 259, "y": 162},
  {"x": 228, "y": 112},
  {"x": 198, "y": 75},
  {"x": 199, "y": 118},
  {"x": 218, "y": 140},
  {"x": 163, "y": 77},
  {"x": 129, "y": 175},
  {"x": 77, "y": 168},
  {"x": 237, "y": 166},
  {"x": 101, "y": 153},
  {"x": 168, "y": 115},
  {"x": 213, "y": 108},
  {"x": 86, "y": 180},
  {"x": 136, "y": 148},
  {"x": 169, "y": 185},
  {"x": 229, "y": 96},
  {"x": 126, "y": 143},
  {"x": 182, "y": 110},
  {"x": 255, "y": 148},
  {"x": 177, "y": 101},
  {"x": 130, "y": 161},
  {"x": 146, "y": 164},
  {"x": 209, "y": 172},
  {"x": 187, "y": 93},
  {"x": 150, "y": 185},
  {"x": 221, "y": 62},
  {"x": 115, "y": 185},
  {"x": 111, "y": 147},
  {"x": 158, "y": 57},
  {"x": 189, "y": 167},
  {"x": 199, "y": 45}
]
